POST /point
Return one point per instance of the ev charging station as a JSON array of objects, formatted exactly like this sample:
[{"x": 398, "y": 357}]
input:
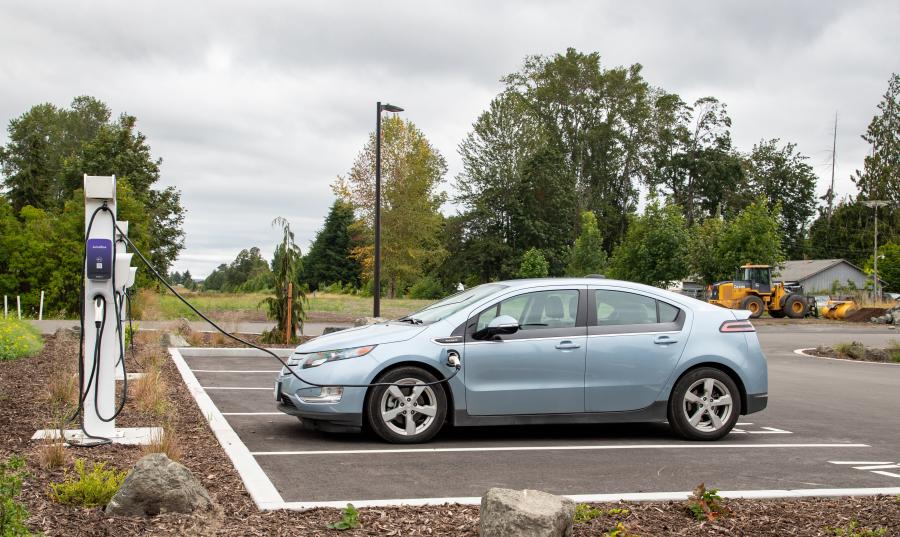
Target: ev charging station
[{"x": 107, "y": 275}]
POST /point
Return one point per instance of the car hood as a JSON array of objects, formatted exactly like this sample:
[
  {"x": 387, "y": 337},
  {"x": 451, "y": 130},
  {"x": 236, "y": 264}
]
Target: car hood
[{"x": 373, "y": 334}]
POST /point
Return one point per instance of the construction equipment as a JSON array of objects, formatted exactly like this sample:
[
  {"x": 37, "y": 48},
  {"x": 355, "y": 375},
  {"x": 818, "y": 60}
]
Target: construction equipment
[
  {"x": 838, "y": 310},
  {"x": 753, "y": 290}
]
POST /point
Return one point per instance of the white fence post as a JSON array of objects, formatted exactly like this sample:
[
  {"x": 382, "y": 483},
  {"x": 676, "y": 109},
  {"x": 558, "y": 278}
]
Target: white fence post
[
  {"x": 19, "y": 306},
  {"x": 5, "y": 306},
  {"x": 41, "y": 309}
]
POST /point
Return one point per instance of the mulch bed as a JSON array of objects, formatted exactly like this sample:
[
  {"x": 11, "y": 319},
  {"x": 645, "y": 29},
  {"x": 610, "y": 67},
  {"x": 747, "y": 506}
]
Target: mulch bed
[{"x": 23, "y": 410}]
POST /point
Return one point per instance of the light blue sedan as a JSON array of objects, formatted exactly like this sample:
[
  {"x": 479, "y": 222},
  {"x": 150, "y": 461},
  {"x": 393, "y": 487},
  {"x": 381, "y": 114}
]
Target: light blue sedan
[{"x": 559, "y": 350}]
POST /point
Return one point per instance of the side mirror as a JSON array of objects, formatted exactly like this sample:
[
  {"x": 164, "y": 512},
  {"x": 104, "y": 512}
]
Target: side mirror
[{"x": 502, "y": 325}]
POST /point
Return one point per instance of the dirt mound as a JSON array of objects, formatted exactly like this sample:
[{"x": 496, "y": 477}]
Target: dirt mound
[{"x": 863, "y": 315}]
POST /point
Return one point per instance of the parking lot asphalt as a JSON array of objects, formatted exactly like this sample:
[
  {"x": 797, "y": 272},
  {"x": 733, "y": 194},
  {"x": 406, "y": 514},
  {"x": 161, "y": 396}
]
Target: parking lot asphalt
[{"x": 829, "y": 425}]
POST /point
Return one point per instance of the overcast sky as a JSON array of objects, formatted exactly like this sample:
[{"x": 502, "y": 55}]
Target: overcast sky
[{"x": 255, "y": 107}]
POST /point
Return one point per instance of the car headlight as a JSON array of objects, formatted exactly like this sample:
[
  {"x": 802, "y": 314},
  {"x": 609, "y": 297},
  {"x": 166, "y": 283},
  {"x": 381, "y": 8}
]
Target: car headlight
[{"x": 315, "y": 359}]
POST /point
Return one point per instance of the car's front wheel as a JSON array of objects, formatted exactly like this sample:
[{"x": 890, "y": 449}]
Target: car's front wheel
[
  {"x": 705, "y": 404},
  {"x": 410, "y": 412}
]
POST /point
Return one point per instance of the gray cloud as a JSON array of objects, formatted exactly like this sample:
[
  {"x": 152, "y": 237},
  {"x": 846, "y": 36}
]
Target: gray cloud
[{"x": 256, "y": 108}]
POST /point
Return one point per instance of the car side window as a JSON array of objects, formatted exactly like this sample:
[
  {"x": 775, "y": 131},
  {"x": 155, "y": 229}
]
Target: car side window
[
  {"x": 667, "y": 312},
  {"x": 535, "y": 311},
  {"x": 618, "y": 308}
]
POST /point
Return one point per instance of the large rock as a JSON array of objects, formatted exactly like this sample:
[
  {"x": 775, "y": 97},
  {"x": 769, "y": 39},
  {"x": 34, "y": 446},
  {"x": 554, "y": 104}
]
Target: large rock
[
  {"x": 525, "y": 513},
  {"x": 168, "y": 339},
  {"x": 157, "y": 485},
  {"x": 366, "y": 321}
]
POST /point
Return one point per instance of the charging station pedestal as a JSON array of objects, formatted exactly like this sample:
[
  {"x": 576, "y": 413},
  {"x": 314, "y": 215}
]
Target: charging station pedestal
[{"x": 101, "y": 271}]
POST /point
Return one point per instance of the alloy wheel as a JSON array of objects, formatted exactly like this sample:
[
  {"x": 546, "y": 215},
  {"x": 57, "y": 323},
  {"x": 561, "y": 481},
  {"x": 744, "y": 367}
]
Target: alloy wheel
[
  {"x": 408, "y": 411},
  {"x": 707, "y": 405}
]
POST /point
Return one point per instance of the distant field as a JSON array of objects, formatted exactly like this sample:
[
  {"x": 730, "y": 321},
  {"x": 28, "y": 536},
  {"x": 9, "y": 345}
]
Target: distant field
[{"x": 245, "y": 307}]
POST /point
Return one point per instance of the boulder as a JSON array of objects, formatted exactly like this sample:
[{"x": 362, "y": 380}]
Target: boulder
[
  {"x": 366, "y": 321},
  {"x": 525, "y": 513},
  {"x": 157, "y": 485},
  {"x": 169, "y": 339}
]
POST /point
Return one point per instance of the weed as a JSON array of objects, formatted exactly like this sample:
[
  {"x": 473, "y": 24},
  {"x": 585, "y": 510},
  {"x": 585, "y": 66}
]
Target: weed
[
  {"x": 166, "y": 441},
  {"x": 586, "y": 513},
  {"x": 12, "y": 514},
  {"x": 88, "y": 489},
  {"x": 854, "y": 350},
  {"x": 130, "y": 330},
  {"x": 616, "y": 511},
  {"x": 18, "y": 339},
  {"x": 63, "y": 390},
  {"x": 894, "y": 350},
  {"x": 349, "y": 519},
  {"x": 706, "y": 504},
  {"x": 150, "y": 392},
  {"x": 852, "y": 529},
  {"x": 52, "y": 453},
  {"x": 196, "y": 339},
  {"x": 619, "y": 531}
]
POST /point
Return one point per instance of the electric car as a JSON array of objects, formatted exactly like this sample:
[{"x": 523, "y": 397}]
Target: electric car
[{"x": 541, "y": 351}]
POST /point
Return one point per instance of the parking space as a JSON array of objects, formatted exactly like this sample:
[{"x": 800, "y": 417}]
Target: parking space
[{"x": 830, "y": 425}]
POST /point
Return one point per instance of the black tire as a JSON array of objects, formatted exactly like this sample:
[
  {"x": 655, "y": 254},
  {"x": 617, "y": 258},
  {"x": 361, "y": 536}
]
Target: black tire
[
  {"x": 705, "y": 428},
  {"x": 755, "y": 305},
  {"x": 795, "y": 306},
  {"x": 430, "y": 396},
  {"x": 777, "y": 314}
]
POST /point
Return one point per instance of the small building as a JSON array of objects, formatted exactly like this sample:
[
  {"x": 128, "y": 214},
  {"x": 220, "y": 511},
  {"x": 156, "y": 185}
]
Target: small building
[{"x": 818, "y": 275}]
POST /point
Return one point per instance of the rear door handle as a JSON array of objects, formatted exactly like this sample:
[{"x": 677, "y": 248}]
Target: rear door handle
[
  {"x": 567, "y": 345},
  {"x": 664, "y": 340}
]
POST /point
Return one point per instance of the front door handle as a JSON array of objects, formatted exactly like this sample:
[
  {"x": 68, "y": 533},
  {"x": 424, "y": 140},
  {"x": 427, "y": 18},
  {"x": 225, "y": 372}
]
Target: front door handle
[
  {"x": 664, "y": 340},
  {"x": 567, "y": 345}
]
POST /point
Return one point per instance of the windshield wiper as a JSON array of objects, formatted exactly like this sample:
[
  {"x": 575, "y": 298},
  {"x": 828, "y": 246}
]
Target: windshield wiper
[{"x": 410, "y": 320}]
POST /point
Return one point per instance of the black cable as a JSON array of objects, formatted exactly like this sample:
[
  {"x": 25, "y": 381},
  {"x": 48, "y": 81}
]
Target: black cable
[{"x": 267, "y": 351}]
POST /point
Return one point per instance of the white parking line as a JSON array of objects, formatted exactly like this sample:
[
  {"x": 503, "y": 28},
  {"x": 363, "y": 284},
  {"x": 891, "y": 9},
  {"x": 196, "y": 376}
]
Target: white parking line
[
  {"x": 889, "y": 474},
  {"x": 857, "y": 462},
  {"x": 877, "y": 467},
  {"x": 552, "y": 448},
  {"x": 254, "y": 414},
  {"x": 872, "y": 466}
]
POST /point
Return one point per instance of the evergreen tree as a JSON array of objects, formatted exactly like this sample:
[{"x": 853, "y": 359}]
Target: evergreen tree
[
  {"x": 588, "y": 256},
  {"x": 880, "y": 178},
  {"x": 330, "y": 257}
]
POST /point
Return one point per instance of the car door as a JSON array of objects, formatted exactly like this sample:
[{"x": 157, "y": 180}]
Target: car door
[
  {"x": 539, "y": 369},
  {"x": 634, "y": 342}
]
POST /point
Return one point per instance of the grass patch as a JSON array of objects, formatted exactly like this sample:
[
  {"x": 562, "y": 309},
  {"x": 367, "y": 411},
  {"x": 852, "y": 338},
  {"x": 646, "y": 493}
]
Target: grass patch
[
  {"x": 167, "y": 307},
  {"x": 853, "y": 350},
  {"x": 18, "y": 339},
  {"x": 165, "y": 442},
  {"x": 62, "y": 390},
  {"x": 92, "y": 488},
  {"x": 894, "y": 353},
  {"x": 150, "y": 391}
]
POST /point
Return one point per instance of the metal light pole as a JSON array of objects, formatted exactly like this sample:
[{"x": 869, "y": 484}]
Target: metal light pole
[
  {"x": 875, "y": 204},
  {"x": 376, "y": 309}
]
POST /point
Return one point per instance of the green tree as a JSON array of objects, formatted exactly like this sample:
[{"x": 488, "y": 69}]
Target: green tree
[
  {"x": 330, "y": 256},
  {"x": 655, "y": 248},
  {"x": 888, "y": 266},
  {"x": 705, "y": 261},
  {"x": 412, "y": 173},
  {"x": 588, "y": 256},
  {"x": 754, "y": 236},
  {"x": 849, "y": 233},
  {"x": 286, "y": 266},
  {"x": 880, "y": 178},
  {"x": 782, "y": 177},
  {"x": 249, "y": 272},
  {"x": 534, "y": 265}
]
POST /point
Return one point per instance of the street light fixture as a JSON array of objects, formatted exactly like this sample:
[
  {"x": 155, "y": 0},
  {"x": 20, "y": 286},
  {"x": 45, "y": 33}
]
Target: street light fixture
[
  {"x": 376, "y": 308},
  {"x": 875, "y": 204}
]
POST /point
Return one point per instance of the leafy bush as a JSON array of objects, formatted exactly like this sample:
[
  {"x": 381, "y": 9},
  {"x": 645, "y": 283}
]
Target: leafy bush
[
  {"x": 427, "y": 287},
  {"x": 130, "y": 330},
  {"x": 88, "y": 489},
  {"x": 534, "y": 265},
  {"x": 18, "y": 339},
  {"x": 706, "y": 504},
  {"x": 12, "y": 513},
  {"x": 854, "y": 350}
]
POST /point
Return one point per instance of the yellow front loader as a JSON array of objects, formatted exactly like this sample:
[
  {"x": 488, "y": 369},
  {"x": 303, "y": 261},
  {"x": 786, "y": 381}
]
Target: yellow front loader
[{"x": 753, "y": 290}]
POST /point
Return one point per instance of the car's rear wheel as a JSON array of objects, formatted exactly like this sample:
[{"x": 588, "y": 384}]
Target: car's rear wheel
[
  {"x": 704, "y": 405},
  {"x": 409, "y": 413}
]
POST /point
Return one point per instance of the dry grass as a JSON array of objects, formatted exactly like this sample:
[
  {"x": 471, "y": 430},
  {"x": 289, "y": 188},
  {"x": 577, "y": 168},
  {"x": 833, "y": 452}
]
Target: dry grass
[
  {"x": 196, "y": 339},
  {"x": 150, "y": 392},
  {"x": 164, "y": 442},
  {"x": 52, "y": 451},
  {"x": 62, "y": 391}
]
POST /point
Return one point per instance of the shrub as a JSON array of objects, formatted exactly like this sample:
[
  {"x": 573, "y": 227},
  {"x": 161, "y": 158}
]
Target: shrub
[
  {"x": 854, "y": 350},
  {"x": 427, "y": 287},
  {"x": 12, "y": 513},
  {"x": 18, "y": 339},
  {"x": 88, "y": 489},
  {"x": 894, "y": 350},
  {"x": 852, "y": 529},
  {"x": 130, "y": 330}
]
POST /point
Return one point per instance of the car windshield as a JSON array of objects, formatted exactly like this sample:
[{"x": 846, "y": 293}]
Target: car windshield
[{"x": 453, "y": 303}]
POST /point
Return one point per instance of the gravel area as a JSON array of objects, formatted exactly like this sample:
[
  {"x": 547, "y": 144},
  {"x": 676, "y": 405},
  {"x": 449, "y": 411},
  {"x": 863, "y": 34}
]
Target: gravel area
[{"x": 23, "y": 409}]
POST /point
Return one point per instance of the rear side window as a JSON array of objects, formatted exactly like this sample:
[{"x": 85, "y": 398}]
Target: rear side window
[{"x": 616, "y": 308}]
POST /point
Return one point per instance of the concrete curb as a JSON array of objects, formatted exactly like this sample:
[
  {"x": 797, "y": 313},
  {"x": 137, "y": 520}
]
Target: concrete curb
[{"x": 802, "y": 352}]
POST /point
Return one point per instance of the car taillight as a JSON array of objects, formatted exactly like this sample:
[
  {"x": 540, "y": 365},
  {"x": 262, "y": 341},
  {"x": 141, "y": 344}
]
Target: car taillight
[{"x": 737, "y": 326}]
